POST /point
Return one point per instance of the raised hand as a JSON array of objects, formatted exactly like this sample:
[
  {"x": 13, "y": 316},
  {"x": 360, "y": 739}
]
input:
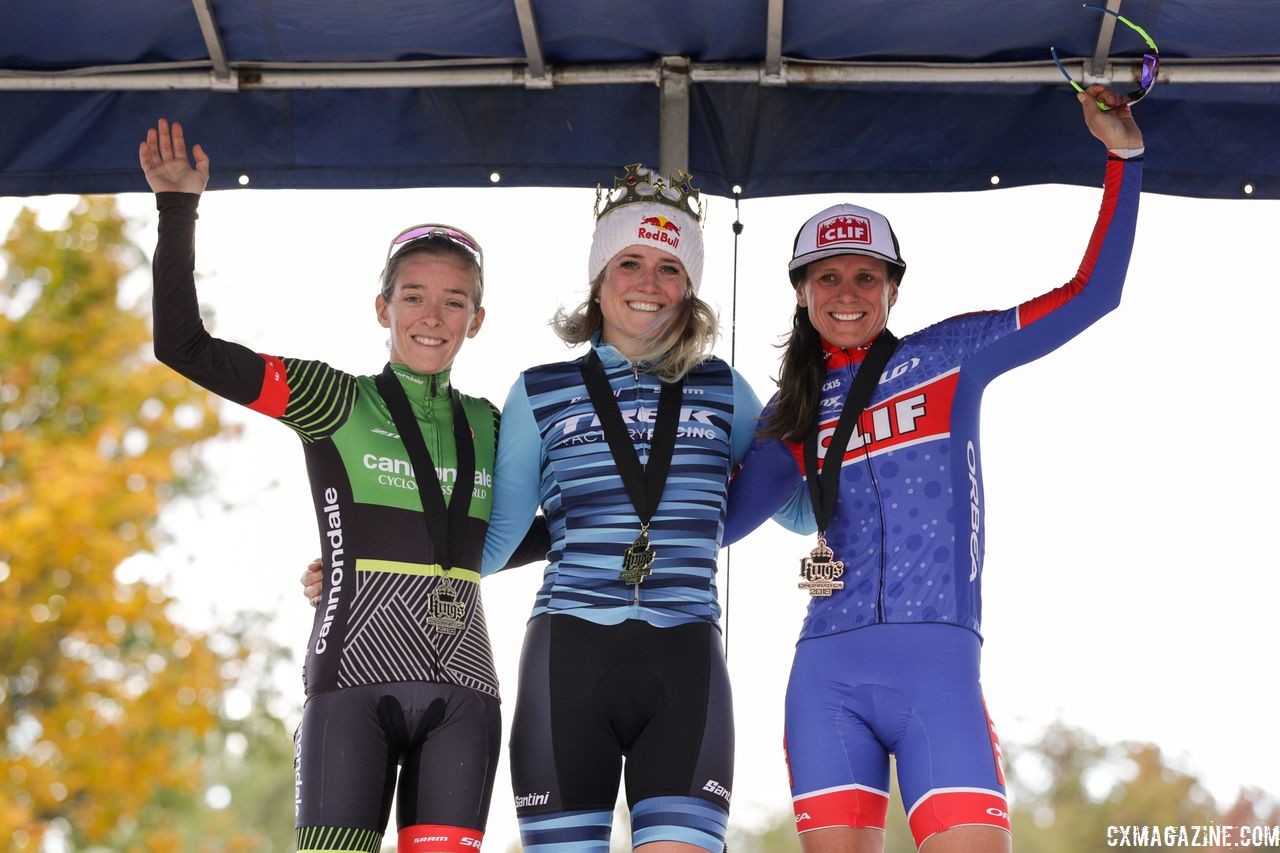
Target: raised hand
[
  {"x": 163, "y": 157},
  {"x": 1115, "y": 127}
]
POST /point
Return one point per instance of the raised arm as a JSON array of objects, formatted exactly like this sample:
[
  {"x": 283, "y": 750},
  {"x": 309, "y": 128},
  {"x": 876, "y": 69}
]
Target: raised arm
[
  {"x": 1003, "y": 340},
  {"x": 181, "y": 341}
]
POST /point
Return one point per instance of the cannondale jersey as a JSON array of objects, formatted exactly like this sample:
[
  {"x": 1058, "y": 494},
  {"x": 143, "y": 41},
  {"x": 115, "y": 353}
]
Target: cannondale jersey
[
  {"x": 908, "y": 522},
  {"x": 554, "y": 453},
  {"x": 386, "y": 612}
]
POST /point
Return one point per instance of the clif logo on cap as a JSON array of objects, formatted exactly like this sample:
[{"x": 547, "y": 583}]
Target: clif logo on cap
[{"x": 844, "y": 229}]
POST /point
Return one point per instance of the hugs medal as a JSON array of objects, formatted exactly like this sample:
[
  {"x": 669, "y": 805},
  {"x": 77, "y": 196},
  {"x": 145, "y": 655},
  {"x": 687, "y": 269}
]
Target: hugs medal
[{"x": 821, "y": 571}]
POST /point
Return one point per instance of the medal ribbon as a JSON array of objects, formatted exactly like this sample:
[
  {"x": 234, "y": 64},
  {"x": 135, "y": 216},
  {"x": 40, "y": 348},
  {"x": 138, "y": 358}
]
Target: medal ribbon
[
  {"x": 645, "y": 483},
  {"x": 434, "y": 511},
  {"x": 825, "y": 485}
]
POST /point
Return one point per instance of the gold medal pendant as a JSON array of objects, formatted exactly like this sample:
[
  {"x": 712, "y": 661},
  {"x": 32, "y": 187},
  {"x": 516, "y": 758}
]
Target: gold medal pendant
[
  {"x": 820, "y": 570},
  {"x": 637, "y": 562},
  {"x": 446, "y": 612}
]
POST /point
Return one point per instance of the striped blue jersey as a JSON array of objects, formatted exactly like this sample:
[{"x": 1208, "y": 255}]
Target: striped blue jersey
[
  {"x": 909, "y": 520},
  {"x": 553, "y": 453}
]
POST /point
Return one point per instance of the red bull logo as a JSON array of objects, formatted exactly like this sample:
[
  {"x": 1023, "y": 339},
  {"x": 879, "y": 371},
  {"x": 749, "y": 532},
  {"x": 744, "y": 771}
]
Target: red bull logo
[
  {"x": 844, "y": 229},
  {"x": 661, "y": 222},
  {"x": 660, "y": 230}
]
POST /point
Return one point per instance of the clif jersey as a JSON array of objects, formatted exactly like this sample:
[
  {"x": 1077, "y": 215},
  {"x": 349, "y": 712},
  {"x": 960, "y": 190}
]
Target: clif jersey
[
  {"x": 381, "y": 597},
  {"x": 908, "y": 522},
  {"x": 554, "y": 453}
]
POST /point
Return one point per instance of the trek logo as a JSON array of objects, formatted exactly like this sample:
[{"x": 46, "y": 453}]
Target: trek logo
[
  {"x": 845, "y": 228},
  {"x": 642, "y": 415},
  {"x": 524, "y": 801},
  {"x": 714, "y": 787}
]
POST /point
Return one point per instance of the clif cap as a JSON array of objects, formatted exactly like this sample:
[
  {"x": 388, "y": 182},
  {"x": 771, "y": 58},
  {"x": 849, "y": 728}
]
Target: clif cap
[{"x": 845, "y": 229}]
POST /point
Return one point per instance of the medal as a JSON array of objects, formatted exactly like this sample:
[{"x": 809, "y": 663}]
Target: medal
[
  {"x": 644, "y": 483},
  {"x": 446, "y": 612},
  {"x": 637, "y": 562},
  {"x": 820, "y": 570},
  {"x": 445, "y": 523}
]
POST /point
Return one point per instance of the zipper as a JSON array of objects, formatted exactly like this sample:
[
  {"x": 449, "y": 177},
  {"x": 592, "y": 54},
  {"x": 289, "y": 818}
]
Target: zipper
[{"x": 635, "y": 372}]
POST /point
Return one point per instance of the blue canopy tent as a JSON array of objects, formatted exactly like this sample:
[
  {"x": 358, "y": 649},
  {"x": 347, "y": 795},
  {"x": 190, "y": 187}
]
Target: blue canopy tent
[{"x": 778, "y": 97}]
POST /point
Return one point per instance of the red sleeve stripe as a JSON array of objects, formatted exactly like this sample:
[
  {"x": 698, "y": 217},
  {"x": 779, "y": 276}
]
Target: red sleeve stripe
[
  {"x": 274, "y": 396},
  {"x": 1035, "y": 309}
]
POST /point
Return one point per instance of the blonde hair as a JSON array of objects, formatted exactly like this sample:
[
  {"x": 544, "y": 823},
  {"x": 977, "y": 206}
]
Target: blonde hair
[{"x": 683, "y": 344}]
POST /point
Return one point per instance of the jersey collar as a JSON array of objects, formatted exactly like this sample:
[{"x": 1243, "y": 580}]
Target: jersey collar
[
  {"x": 610, "y": 356},
  {"x": 838, "y": 357},
  {"x": 422, "y": 386}
]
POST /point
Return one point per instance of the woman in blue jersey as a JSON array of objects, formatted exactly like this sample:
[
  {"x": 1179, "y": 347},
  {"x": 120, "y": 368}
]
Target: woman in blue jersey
[
  {"x": 888, "y": 656},
  {"x": 402, "y": 696},
  {"x": 627, "y": 450}
]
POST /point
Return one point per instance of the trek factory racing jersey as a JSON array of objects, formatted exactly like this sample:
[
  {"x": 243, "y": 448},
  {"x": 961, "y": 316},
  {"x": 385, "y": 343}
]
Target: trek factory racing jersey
[
  {"x": 554, "y": 452},
  {"x": 908, "y": 521},
  {"x": 382, "y": 579}
]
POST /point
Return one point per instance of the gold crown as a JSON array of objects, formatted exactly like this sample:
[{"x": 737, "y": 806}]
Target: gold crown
[{"x": 640, "y": 183}]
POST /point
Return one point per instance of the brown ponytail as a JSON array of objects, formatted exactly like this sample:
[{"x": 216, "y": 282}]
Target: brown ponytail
[{"x": 799, "y": 382}]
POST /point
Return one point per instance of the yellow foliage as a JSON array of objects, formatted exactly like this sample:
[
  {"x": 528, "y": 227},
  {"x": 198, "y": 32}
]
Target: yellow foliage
[{"x": 105, "y": 700}]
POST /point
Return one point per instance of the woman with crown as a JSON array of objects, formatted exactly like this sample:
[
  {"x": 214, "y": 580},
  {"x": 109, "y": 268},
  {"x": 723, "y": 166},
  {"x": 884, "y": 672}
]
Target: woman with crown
[
  {"x": 888, "y": 657},
  {"x": 627, "y": 450}
]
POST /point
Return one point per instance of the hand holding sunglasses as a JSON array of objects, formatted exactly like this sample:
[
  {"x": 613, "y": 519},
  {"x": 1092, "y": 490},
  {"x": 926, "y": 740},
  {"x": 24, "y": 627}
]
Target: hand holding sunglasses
[
  {"x": 1107, "y": 115},
  {"x": 1150, "y": 62}
]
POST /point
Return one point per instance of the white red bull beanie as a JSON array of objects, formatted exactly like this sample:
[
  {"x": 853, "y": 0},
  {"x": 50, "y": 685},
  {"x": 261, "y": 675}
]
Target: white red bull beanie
[
  {"x": 665, "y": 225},
  {"x": 844, "y": 229}
]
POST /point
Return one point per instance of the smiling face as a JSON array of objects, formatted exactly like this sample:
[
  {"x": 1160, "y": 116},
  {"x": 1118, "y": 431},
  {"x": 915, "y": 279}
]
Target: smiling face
[
  {"x": 848, "y": 298},
  {"x": 642, "y": 291},
  {"x": 431, "y": 311}
]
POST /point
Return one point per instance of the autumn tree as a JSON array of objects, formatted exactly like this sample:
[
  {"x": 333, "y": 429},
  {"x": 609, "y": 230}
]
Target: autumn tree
[
  {"x": 1067, "y": 788},
  {"x": 106, "y": 703}
]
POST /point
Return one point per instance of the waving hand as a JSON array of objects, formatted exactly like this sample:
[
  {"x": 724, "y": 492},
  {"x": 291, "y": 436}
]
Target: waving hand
[{"x": 163, "y": 156}]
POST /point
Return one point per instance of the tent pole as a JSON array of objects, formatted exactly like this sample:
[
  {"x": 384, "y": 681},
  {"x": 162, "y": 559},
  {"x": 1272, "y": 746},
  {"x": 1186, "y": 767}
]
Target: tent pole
[
  {"x": 212, "y": 40},
  {"x": 673, "y": 115}
]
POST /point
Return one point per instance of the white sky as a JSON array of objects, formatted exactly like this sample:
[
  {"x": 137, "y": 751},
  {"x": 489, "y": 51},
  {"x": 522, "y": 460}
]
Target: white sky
[{"x": 1130, "y": 477}]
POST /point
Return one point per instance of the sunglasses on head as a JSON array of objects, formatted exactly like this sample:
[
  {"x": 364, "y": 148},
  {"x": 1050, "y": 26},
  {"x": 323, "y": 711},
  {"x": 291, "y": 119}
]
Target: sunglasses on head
[
  {"x": 423, "y": 232},
  {"x": 1150, "y": 61}
]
